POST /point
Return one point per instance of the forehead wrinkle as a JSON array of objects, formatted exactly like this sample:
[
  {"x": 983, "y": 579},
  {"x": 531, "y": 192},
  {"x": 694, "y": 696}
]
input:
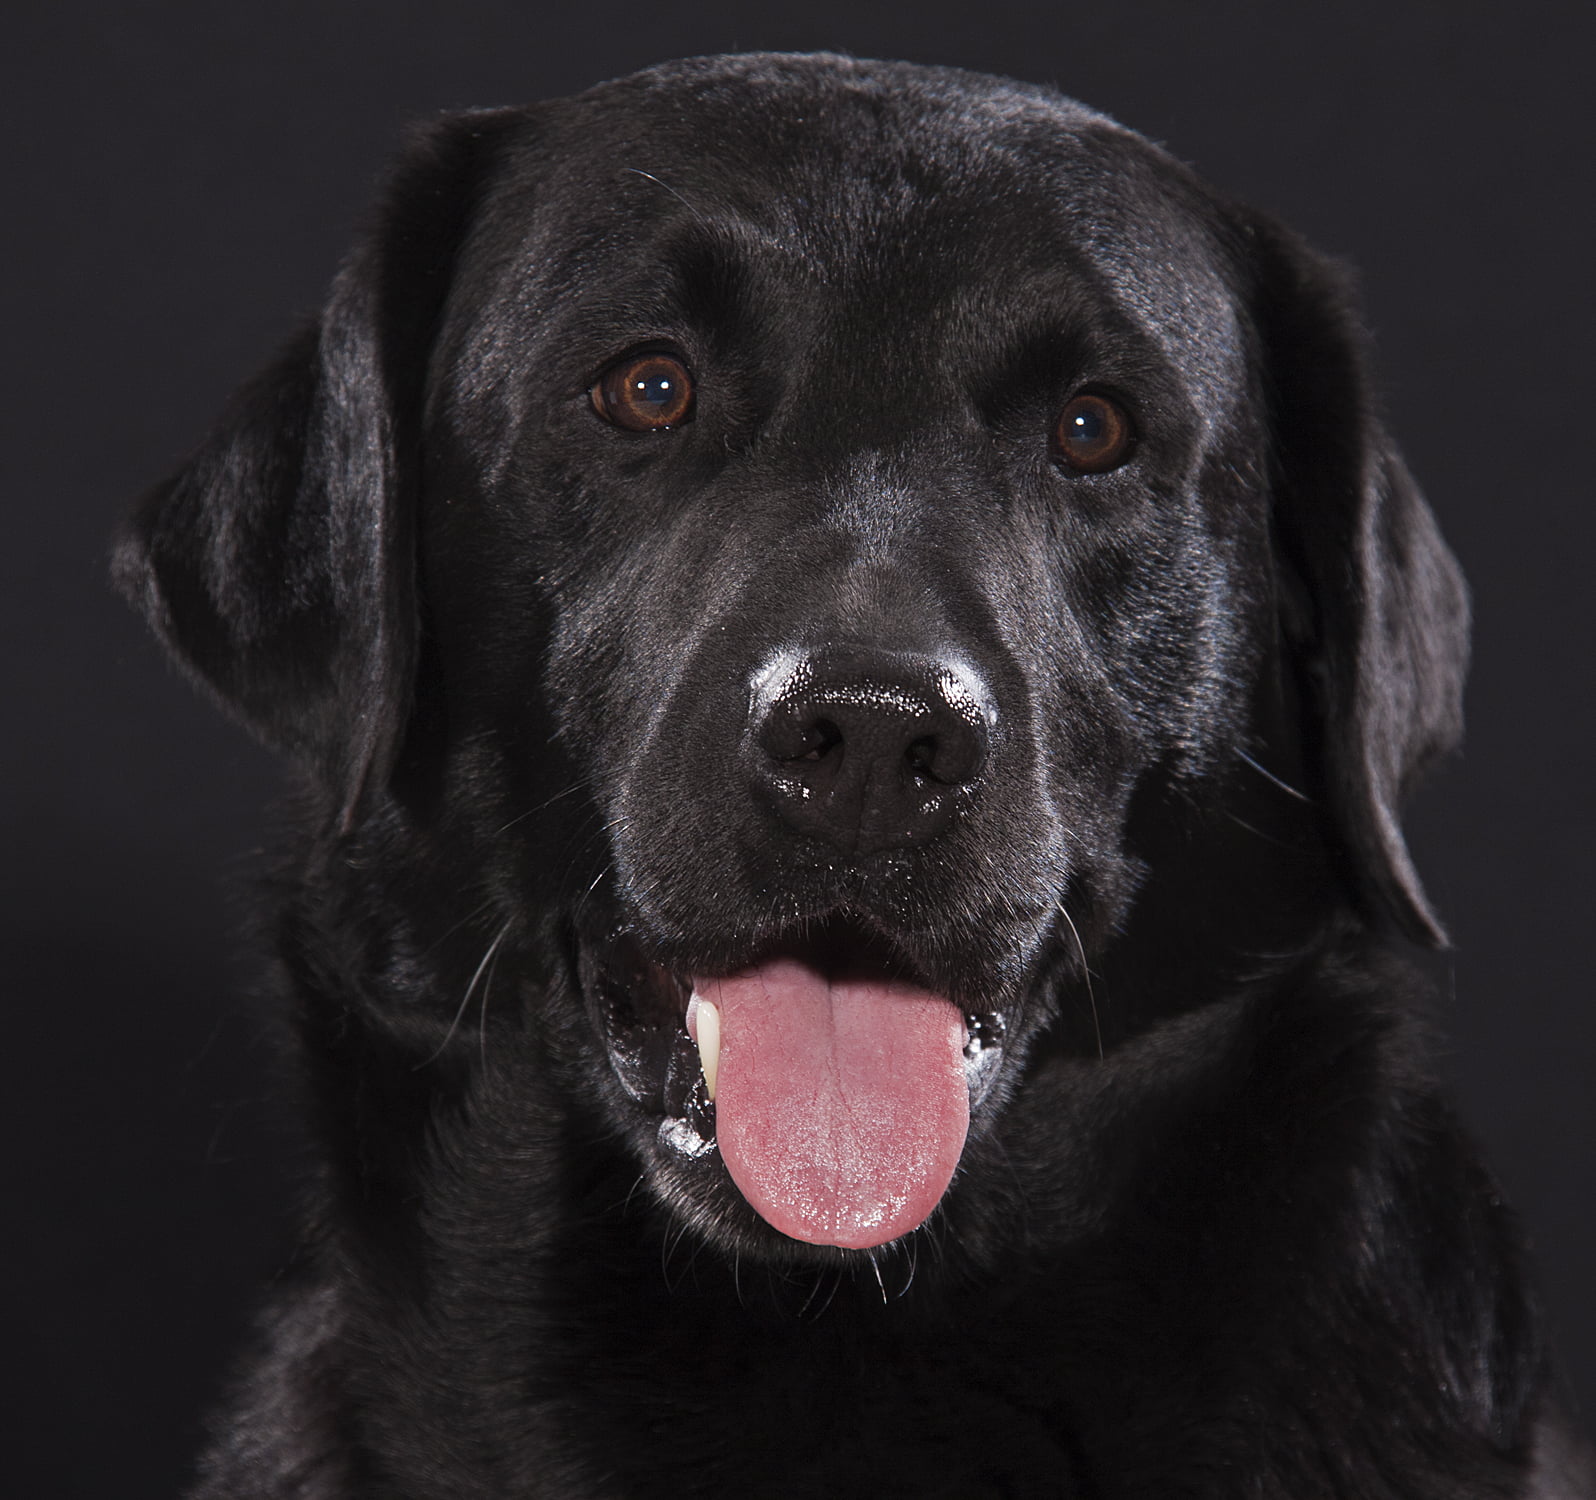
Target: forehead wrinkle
[
  {"x": 727, "y": 229},
  {"x": 674, "y": 270},
  {"x": 699, "y": 220}
]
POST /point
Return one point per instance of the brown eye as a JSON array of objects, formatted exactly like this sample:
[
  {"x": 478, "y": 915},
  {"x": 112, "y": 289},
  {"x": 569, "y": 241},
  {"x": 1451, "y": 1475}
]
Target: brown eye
[
  {"x": 646, "y": 393},
  {"x": 1093, "y": 434}
]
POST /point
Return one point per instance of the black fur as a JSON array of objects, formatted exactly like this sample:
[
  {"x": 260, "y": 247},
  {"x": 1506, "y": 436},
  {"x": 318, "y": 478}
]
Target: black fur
[{"x": 1214, "y": 1231}]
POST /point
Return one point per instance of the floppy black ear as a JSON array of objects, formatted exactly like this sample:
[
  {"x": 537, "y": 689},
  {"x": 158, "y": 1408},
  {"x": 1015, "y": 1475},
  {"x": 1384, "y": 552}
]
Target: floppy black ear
[
  {"x": 277, "y": 564},
  {"x": 1381, "y": 630}
]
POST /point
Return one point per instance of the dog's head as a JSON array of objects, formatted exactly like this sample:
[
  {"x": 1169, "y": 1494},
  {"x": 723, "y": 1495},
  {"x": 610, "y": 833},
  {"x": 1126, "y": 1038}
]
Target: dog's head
[{"x": 820, "y": 536}]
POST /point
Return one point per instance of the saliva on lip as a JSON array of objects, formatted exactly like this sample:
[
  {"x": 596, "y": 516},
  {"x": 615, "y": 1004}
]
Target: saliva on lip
[
  {"x": 682, "y": 1137},
  {"x": 983, "y": 1049},
  {"x": 985, "y": 1031}
]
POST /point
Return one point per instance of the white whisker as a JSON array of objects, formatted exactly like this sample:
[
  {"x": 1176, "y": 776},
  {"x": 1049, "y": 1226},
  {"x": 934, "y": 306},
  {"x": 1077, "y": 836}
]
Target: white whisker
[
  {"x": 1086, "y": 973},
  {"x": 875, "y": 1266},
  {"x": 487, "y": 984},
  {"x": 575, "y": 786},
  {"x": 672, "y": 191},
  {"x": 465, "y": 999},
  {"x": 1286, "y": 787}
]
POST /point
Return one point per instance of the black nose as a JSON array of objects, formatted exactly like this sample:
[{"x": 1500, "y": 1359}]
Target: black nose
[{"x": 866, "y": 750}]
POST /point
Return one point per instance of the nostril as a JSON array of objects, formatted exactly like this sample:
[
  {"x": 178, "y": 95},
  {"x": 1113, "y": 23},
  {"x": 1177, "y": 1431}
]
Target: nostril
[
  {"x": 921, "y": 756},
  {"x": 817, "y": 741},
  {"x": 955, "y": 754},
  {"x": 793, "y": 733}
]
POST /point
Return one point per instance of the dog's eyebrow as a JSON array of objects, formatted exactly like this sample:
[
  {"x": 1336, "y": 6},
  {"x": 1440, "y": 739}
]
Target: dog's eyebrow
[
  {"x": 714, "y": 269},
  {"x": 710, "y": 280},
  {"x": 1068, "y": 335},
  {"x": 727, "y": 227}
]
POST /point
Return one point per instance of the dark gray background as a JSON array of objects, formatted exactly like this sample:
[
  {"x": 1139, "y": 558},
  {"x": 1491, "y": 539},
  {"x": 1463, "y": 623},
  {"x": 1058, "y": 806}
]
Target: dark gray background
[{"x": 181, "y": 179}]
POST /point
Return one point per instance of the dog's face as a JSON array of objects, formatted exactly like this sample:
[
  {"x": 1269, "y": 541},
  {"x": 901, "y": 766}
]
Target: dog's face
[{"x": 769, "y": 533}]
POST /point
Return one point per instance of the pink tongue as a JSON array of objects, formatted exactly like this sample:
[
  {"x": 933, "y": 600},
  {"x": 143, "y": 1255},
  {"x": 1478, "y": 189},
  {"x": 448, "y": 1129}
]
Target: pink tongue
[{"x": 840, "y": 1108}]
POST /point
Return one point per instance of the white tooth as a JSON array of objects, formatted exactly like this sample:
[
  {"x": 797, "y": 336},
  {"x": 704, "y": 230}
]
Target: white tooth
[{"x": 703, "y": 1025}]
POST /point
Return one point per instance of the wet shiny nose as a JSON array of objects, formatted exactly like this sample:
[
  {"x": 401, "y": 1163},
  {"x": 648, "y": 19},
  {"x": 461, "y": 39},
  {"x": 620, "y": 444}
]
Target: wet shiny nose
[{"x": 867, "y": 750}]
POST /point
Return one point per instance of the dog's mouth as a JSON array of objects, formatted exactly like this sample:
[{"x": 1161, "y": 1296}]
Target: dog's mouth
[{"x": 834, "y": 1081}]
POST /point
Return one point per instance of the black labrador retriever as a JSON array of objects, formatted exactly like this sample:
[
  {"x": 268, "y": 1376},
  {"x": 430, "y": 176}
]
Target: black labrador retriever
[{"x": 855, "y": 641}]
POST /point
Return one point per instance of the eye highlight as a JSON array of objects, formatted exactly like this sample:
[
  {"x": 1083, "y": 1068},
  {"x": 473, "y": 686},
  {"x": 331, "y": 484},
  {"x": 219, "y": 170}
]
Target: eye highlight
[
  {"x": 1093, "y": 434},
  {"x": 644, "y": 393}
]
